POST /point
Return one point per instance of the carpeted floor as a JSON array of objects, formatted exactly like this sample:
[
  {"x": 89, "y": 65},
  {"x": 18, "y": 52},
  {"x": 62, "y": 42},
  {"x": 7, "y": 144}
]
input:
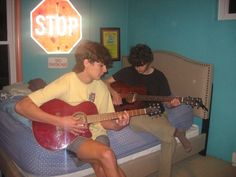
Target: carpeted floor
[{"x": 200, "y": 166}]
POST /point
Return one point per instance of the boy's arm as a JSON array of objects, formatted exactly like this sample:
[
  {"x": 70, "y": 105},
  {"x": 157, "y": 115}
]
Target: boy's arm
[
  {"x": 116, "y": 97},
  {"x": 27, "y": 108}
]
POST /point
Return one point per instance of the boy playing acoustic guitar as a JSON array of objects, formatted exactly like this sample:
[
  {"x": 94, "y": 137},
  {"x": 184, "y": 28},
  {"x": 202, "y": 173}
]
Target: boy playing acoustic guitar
[
  {"x": 80, "y": 85},
  {"x": 155, "y": 82}
]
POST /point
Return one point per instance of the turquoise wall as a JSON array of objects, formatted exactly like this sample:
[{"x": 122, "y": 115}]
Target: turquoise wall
[
  {"x": 187, "y": 27},
  {"x": 191, "y": 28}
]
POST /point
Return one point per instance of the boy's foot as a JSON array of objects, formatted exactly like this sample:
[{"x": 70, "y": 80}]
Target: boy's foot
[{"x": 184, "y": 141}]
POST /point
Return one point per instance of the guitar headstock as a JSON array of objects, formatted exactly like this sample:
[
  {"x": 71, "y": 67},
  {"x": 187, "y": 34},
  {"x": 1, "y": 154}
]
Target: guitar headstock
[
  {"x": 154, "y": 109},
  {"x": 194, "y": 102}
]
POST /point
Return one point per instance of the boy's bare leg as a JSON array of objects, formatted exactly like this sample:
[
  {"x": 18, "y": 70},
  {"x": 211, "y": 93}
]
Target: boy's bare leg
[
  {"x": 181, "y": 135},
  {"x": 101, "y": 157}
]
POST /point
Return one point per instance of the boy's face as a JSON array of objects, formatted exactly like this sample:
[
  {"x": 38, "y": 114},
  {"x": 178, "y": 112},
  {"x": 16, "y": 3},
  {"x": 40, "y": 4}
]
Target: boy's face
[
  {"x": 142, "y": 69},
  {"x": 97, "y": 70}
]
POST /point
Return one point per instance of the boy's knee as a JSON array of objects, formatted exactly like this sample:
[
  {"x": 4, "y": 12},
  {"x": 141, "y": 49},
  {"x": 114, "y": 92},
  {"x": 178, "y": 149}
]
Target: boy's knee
[{"x": 107, "y": 155}]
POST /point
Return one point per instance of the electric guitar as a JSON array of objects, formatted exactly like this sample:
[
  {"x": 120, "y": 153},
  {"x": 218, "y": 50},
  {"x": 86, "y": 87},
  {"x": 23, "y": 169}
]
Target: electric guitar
[
  {"x": 132, "y": 96},
  {"x": 54, "y": 138}
]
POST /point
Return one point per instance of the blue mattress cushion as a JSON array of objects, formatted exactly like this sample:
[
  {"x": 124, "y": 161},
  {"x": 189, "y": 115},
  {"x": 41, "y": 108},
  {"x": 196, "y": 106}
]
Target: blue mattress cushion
[
  {"x": 8, "y": 105},
  {"x": 17, "y": 140}
]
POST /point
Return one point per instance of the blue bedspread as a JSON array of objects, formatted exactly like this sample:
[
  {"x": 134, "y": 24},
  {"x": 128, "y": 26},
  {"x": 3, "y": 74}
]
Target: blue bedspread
[{"x": 17, "y": 140}]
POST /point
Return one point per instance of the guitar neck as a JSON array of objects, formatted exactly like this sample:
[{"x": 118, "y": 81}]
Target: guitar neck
[
  {"x": 114, "y": 115},
  {"x": 156, "y": 98}
]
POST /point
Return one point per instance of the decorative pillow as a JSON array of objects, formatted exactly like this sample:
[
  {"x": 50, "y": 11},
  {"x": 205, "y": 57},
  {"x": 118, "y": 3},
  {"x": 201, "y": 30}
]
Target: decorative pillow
[
  {"x": 36, "y": 84},
  {"x": 4, "y": 95}
]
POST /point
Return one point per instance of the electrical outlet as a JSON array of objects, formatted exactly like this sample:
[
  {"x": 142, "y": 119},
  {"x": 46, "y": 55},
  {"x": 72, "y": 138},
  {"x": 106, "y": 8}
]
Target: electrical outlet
[{"x": 234, "y": 159}]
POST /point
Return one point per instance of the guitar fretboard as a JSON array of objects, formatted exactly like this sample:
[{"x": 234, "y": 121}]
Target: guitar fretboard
[
  {"x": 114, "y": 115},
  {"x": 157, "y": 98}
]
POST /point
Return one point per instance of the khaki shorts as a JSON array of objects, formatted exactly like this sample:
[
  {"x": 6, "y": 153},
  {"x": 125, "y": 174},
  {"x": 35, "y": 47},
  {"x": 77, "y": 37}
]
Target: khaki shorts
[{"x": 78, "y": 141}]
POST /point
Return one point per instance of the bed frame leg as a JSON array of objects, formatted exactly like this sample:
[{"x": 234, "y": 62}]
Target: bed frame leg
[{"x": 205, "y": 128}]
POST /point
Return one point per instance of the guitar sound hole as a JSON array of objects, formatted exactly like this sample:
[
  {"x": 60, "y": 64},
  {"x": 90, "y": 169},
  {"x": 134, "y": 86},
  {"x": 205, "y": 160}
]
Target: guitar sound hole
[{"x": 80, "y": 116}]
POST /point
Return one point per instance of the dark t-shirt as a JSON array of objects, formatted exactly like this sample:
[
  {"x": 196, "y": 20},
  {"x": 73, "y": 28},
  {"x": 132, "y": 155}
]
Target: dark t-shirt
[{"x": 155, "y": 83}]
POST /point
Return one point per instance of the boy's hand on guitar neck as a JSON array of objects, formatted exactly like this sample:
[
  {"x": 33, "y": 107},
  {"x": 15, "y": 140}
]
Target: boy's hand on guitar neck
[
  {"x": 122, "y": 121},
  {"x": 173, "y": 103}
]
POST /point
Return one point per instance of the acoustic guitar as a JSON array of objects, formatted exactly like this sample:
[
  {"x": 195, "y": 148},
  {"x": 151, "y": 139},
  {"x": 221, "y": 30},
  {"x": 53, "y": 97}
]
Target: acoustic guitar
[
  {"x": 54, "y": 138},
  {"x": 133, "y": 94}
]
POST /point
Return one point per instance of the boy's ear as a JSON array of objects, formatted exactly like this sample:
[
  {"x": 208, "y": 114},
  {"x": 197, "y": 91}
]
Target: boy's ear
[{"x": 86, "y": 62}]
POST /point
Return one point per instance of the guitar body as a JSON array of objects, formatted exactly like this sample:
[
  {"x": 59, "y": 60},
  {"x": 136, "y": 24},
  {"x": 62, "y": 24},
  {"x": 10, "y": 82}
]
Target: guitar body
[
  {"x": 124, "y": 89},
  {"x": 54, "y": 138}
]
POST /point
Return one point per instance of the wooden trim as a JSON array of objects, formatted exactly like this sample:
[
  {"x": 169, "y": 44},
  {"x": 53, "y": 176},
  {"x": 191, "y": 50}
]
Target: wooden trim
[{"x": 18, "y": 41}]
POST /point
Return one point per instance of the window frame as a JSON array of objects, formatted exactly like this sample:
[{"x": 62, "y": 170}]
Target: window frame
[
  {"x": 13, "y": 41},
  {"x": 223, "y": 11},
  {"x": 10, "y": 12}
]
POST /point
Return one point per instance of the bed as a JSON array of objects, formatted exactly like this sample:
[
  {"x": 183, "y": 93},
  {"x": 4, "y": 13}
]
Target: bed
[{"x": 21, "y": 155}]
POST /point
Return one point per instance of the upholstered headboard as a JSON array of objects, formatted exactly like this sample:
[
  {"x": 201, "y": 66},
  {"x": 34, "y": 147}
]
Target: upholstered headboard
[{"x": 186, "y": 77}]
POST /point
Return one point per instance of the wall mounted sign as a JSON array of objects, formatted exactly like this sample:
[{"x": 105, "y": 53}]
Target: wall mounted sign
[
  {"x": 57, "y": 62},
  {"x": 56, "y": 26},
  {"x": 110, "y": 38}
]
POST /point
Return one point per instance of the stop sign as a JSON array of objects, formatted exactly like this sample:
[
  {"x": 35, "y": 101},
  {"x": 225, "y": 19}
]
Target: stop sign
[{"x": 56, "y": 26}]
